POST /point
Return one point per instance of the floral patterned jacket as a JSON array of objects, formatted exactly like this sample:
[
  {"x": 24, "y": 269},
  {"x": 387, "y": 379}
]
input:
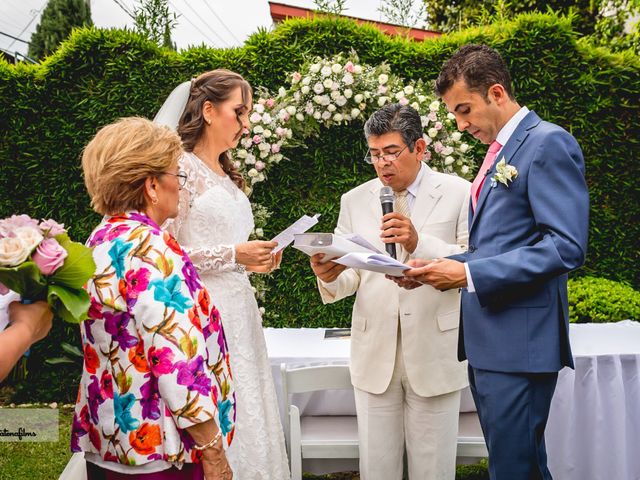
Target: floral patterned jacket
[{"x": 155, "y": 355}]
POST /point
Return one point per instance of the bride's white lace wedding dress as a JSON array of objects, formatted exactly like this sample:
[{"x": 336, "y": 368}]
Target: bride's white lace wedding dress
[{"x": 214, "y": 215}]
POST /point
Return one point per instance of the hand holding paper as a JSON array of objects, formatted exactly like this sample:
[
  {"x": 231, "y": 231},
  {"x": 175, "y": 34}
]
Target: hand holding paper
[{"x": 286, "y": 237}]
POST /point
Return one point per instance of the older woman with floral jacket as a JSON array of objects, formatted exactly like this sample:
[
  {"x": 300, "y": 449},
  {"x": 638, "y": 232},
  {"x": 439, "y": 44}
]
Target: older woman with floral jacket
[{"x": 156, "y": 399}]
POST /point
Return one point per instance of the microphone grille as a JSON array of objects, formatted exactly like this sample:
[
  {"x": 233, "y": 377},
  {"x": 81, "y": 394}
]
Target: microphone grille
[{"x": 386, "y": 194}]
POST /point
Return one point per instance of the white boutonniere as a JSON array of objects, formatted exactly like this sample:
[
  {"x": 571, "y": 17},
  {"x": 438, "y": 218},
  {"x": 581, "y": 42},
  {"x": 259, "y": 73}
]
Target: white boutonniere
[{"x": 505, "y": 173}]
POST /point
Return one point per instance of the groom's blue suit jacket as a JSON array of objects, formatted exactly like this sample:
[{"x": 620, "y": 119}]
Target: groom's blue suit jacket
[{"x": 523, "y": 240}]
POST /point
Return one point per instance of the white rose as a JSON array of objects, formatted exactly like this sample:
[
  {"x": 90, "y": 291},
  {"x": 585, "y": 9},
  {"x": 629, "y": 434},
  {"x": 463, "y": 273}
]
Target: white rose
[
  {"x": 299, "y": 117},
  {"x": 242, "y": 153},
  {"x": 434, "y": 106},
  {"x": 408, "y": 89},
  {"x": 282, "y": 92},
  {"x": 399, "y": 95},
  {"x": 258, "y": 129},
  {"x": 464, "y": 147},
  {"x": 341, "y": 100},
  {"x": 355, "y": 112},
  {"x": 261, "y": 310},
  {"x": 266, "y": 118},
  {"x": 325, "y": 100},
  {"x": 317, "y": 99},
  {"x": 12, "y": 251},
  {"x": 382, "y": 101},
  {"x": 255, "y": 117},
  {"x": 456, "y": 136},
  {"x": 447, "y": 150},
  {"x": 464, "y": 169},
  {"x": 335, "y": 86},
  {"x": 336, "y": 68},
  {"x": 289, "y": 133},
  {"x": 421, "y": 98},
  {"x": 306, "y": 80},
  {"x": 347, "y": 79},
  {"x": 259, "y": 232},
  {"x": 317, "y": 115},
  {"x": 327, "y": 83},
  {"x": 432, "y": 132},
  {"x": 357, "y": 69},
  {"x": 348, "y": 93},
  {"x": 277, "y": 157},
  {"x": 296, "y": 96},
  {"x": 383, "y": 78},
  {"x": 335, "y": 95},
  {"x": 264, "y": 153},
  {"x": 451, "y": 116},
  {"x": 359, "y": 98},
  {"x": 337, "y": 117},
  {"x": 326, "y": 115},
  {"x": 264, "y": 146},
  {"x": 308, "y": 109},
  {"x": 259, "y": 108},
  {"x": 250, "y": 160},
  {"x": 315, "y": 68},
  {"x": 449, "y": 160},
  {"x": 325, "y": 71},
  {"x": 331, "y": 107},
  {"x": 304, "y": 89},
  {"x": 253, "y": 172},
  {"x": 318, "y": 88},
  {"x": 415, "y": 106},
  {"x": 266, "y": 133},
  {"x": 291, "y": 110}
]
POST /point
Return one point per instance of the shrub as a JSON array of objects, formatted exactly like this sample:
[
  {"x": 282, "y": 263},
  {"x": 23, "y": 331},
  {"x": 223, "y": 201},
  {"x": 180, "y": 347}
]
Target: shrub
[{"x": 600, "y": 300}]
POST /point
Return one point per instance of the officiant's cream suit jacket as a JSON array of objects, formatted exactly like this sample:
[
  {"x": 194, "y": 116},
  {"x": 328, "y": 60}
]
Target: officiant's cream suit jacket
[{"x": 428, "y": 318}]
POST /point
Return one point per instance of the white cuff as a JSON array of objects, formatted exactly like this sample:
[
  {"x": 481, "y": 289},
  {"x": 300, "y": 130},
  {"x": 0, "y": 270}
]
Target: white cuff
[{"x": 470, "y": 287}]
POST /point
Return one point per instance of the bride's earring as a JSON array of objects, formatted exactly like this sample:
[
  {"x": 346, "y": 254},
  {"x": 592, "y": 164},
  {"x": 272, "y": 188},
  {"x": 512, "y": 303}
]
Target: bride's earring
[
  {"x": 154, "y": 200},
  {"x": 208, "y": 121}
]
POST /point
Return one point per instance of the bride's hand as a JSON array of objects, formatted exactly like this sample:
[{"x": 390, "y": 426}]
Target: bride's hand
[
  {"x": 256, "y": 253},
  {"x": 276, "y": 259}
]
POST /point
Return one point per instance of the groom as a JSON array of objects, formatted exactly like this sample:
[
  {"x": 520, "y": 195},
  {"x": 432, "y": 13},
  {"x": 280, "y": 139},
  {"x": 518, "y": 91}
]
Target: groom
[{"x": 528, "y": 220}]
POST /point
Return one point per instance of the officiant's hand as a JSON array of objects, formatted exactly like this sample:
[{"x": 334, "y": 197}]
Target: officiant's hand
[
  {"x": 397, "y": 228},
  {"x": 256, "y": 253},
  {"x": 328, "y": 271}
]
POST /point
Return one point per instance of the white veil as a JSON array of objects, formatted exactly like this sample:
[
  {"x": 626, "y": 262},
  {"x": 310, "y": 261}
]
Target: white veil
[{"x": 172, "y": 108}]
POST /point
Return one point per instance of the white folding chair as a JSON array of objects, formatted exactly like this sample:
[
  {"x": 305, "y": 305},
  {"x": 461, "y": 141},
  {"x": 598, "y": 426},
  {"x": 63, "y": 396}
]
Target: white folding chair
[
  {"x": 316, "y": 436},
  {"x": 471, "y": 442}
]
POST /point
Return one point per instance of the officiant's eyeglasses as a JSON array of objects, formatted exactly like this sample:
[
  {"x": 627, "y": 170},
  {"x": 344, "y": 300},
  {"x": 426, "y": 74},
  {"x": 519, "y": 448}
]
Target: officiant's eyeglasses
[
  {"x": 182, "y": 177},
  {"x": 387, "y": 157}
]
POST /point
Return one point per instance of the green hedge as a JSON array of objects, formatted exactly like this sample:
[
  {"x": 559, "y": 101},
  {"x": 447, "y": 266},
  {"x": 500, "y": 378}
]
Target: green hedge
[
  {"x": 599, "y": 300},
  {"x": 49, "y": 111}
]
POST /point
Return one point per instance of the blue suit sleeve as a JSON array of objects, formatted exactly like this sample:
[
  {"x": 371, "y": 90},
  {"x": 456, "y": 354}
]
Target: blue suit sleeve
[{"x": 559, "y": 204}]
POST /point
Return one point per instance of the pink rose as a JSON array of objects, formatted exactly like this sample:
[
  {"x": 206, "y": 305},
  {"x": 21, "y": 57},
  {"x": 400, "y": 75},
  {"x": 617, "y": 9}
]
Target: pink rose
[
  {"x": 404, "y": 101},
  {"x": 275, "y": 148},
  {"x": 350, "y": 67},
  {"x": 296, "y": 77},
  {"x": 49, "y": 256},
  {"x": 257, "y": 139},
  {"x": 259, "y": 165},
  {"x": 51, "y": 228},
  {"x": 438, "y": 125},
  {"x": 270, "y": 102},
  {"x": 8, "y": 225}
]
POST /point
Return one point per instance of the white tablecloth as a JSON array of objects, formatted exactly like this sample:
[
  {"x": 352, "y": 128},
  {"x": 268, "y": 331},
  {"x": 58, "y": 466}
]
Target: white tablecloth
[{"x": 593, "y": 431}]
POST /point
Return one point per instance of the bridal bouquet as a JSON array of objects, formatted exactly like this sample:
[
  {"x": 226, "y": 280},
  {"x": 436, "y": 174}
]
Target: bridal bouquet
[{"x": 40, "y": 262}]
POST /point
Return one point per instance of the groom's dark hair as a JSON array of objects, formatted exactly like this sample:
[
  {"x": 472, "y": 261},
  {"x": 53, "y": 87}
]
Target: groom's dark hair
[
  {"x": 395, "y": 117},
  {"x": 479, "y": 66}
]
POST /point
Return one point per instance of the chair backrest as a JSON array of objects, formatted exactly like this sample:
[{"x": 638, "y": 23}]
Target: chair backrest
[{"x": 310, "y": 379}]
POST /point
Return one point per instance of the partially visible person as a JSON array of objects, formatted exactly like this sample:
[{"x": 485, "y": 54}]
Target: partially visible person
[
  {"x": 28, "y": 324},
  {"x": 528, "y": 225},
  {"x": 213, "y": 225},
  {"x": 156, "y": 399},
  {"x": 403, "y": 363}
]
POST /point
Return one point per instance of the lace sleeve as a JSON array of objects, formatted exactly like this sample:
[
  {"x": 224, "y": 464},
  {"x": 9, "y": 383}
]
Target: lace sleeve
[{"x": 216, "y": 258}]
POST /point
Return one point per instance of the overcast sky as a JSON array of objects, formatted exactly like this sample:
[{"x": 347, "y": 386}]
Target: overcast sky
[{"x": 219, "y": 23}]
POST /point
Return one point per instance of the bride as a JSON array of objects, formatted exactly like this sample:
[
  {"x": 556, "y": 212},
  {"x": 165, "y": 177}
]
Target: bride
[{"x": 213, "y": 225}]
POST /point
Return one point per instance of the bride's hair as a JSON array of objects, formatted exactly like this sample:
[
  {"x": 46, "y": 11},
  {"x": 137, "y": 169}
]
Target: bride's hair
[{"x": 215, "y": 86}]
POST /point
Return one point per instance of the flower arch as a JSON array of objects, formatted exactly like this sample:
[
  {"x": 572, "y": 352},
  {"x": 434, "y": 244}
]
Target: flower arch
[{"x": 335, "y": 91}]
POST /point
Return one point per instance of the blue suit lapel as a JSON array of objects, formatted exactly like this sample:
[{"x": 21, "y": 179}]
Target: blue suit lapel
[{"x": 508, "y": 152}]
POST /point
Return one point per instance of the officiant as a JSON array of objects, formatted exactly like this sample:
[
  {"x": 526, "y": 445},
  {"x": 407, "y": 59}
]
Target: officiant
[{"x": 404, "y": 368}]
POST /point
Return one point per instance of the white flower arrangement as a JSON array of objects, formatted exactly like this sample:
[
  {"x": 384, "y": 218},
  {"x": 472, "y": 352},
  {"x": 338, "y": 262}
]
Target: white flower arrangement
[{"x": 505, "y": 173}]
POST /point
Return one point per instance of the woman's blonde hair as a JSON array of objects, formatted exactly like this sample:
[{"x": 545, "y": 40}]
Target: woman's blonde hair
[{"x": 121, "y": 157}]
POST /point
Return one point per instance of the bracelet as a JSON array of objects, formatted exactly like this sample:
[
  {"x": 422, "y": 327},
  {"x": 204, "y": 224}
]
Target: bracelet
[{"x": 210, "y": 444}]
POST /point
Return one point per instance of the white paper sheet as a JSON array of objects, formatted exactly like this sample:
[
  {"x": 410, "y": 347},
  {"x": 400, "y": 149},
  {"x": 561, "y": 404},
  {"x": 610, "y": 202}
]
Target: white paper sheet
[
  {"x": 331, "y": 245},
  {"x": 373, "y": 262},
  {"x": 286, "y": 237}
]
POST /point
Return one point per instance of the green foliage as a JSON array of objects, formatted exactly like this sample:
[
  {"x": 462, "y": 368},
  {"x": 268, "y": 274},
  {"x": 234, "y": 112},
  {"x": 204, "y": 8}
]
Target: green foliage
[
  {"x": 58, "y": 19},
  {"x": 599, "y": 300},
  {"x": 334, "y": 7},
  {"x": 50, "y": 111},
  {"x": 154, "y": 20}
]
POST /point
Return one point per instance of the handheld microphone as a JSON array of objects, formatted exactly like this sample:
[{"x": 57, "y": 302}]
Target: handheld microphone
[{"x": 386, "y": 200}]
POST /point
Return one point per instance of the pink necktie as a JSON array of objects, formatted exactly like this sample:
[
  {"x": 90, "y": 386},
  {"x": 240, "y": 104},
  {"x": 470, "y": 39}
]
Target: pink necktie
[{"x": 476, "y": 186}]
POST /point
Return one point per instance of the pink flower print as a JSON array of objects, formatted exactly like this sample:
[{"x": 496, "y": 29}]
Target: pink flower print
[
  {"x": 117, "y": 231},
  {"x": 116, "y": 325},
  {"x": 161, "y": 360},
  {"x": 137, "y": 282},
  {"x": 106, "y": 385}
]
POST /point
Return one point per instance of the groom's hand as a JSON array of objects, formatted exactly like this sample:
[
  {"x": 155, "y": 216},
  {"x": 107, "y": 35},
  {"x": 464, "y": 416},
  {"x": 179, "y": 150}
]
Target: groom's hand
[
  {"x": 328, "y": 271},
  {"x": 441, "y": 273}
]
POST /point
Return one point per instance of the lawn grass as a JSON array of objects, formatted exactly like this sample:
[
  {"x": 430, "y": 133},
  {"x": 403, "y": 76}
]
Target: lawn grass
[{"x": 46, "y": 460}]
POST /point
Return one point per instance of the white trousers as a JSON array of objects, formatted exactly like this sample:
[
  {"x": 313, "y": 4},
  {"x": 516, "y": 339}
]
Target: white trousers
[{"x": 428, "y": 426}]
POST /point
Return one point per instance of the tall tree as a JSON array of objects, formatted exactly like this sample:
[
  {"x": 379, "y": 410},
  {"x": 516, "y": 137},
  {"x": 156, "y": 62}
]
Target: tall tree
[
  {"x": 407, "y": 13},
  {"x": 154, "y": 20},
  {"x": 58, "y": 19}
]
